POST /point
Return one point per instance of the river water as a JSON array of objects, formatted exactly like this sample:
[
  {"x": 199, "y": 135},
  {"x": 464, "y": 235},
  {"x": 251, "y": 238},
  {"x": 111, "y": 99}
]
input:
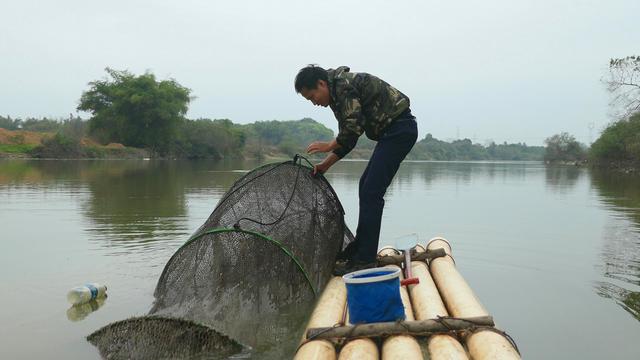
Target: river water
[{"x": 553, "y": 252}]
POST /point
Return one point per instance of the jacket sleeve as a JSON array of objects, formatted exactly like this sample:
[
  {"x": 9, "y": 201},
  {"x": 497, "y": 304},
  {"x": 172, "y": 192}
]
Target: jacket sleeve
[{"x": 350, "y": 123}]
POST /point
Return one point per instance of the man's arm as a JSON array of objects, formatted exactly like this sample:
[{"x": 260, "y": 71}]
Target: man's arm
[
  {"x": 325, "y": 164},
  {"x": 350, "y": 122}
]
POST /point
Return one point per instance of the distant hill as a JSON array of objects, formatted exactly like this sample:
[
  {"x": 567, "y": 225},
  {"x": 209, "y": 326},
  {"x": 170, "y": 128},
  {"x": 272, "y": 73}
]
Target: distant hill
[{"x": 220, "y": 138}]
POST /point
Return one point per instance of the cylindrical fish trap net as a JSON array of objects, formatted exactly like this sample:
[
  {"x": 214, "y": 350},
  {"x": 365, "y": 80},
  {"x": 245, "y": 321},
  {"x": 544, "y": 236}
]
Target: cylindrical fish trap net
[
  {"x": 253, "y": 269},
  {"x": 151, "y": 337},
  {"x": 269, "y": 245}
]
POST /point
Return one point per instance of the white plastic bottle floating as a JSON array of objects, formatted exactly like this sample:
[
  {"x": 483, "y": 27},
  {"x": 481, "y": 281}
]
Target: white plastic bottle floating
[{"x": 86, "y": 293}]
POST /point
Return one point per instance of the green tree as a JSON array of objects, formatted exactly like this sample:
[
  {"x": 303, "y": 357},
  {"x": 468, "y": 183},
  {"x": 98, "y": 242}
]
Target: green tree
[
  {"x": 564, "y": 147},
  {"x": 619, "y": 141},
  {"x": 298, "y": 133},
  {"x": 136, "y": 111},
  {"x": 204, "y": 138},
  {"x": 41, "y": 125},
  {"x": 9, "y": 123}
]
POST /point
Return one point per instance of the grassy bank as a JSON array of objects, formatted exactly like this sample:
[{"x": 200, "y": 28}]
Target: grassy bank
[
  {"x": 44, "y": 145},
  {"x": 17, "y": 148}
]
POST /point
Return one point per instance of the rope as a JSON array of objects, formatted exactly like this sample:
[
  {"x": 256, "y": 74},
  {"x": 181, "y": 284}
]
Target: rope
[
  {"x": 293, "y": 191},
  {"x": 298, "y": 156},
  {"x": 320, "y": 176},
  {"x": 440, "y": 239},
  {"x": 336, "y": 325},
  {"x": 297, "y": 160},
  {"x": 497, "y": 331},
  {"x": 445, "y": 255},
  {"x": 442, "y": 320}
]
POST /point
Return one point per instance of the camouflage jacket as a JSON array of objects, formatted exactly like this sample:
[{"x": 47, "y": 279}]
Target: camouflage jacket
[{"x": 362, "y": 103}]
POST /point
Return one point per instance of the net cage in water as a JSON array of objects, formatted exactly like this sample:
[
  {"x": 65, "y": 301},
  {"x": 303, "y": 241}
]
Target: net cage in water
[
  {"x": 151, "y": 337},
  {"x": 253, "y": 269}
]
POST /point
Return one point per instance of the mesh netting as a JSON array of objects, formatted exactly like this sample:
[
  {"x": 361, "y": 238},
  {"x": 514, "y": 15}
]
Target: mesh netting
[
  {"x": 253, "y": 269},
  {"x": 137, "y": 338}
]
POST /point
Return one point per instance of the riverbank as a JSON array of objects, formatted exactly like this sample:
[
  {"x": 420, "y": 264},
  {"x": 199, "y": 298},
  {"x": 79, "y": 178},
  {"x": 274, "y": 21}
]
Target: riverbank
[
  {"x": 617, "y": 166},
  {"x": 221, "y": 139},
  {"x": 624, "y": 166},
  {"x": 20, "y": 144}
]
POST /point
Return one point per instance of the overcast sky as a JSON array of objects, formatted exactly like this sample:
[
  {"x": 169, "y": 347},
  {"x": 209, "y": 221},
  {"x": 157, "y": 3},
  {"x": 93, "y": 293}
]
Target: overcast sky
[{"x": 516, "y": 71}]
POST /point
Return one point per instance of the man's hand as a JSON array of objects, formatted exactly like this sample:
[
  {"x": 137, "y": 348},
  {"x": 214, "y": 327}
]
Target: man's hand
[
  {"x": 319, "y": 146},
  {"x": 322, "y": 167}
]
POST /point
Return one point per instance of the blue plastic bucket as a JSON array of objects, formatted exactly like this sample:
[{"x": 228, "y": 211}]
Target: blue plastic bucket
[{"x": 373, "y": 295}]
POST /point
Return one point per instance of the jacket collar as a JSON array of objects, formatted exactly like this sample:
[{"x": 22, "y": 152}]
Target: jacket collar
[{"x": 332, "y": 74}]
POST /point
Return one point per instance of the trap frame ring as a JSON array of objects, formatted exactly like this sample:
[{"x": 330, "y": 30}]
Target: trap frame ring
[
  {"x": 297, "y": 161},
  {"x": 254, "y": 233}
]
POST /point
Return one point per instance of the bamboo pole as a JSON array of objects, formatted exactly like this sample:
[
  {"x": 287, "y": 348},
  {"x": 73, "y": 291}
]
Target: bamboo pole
[
  {"x": 316, "y": 350},
  {"x": 427, "y": 304},
  {"x": 418, "y": 256},
  {"x": 462, "y": 302},
  {"x": 356, "y": 349},
  {"x": 360, "y": 349},
  {"x": 412, "y": 327},
  {"x": 401, "y": 347},
  {"x": 327, "y": 313}
]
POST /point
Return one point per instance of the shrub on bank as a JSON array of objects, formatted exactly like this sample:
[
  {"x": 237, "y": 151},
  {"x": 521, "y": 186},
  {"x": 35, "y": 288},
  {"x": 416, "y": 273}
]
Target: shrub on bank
[
  {"x": 16, "y": 148},
  {"x": 620, "y": 141},
  {"x": 59, "y": 146}
]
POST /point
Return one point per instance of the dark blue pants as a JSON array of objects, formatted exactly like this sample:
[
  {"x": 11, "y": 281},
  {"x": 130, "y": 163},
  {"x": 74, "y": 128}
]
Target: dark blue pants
[{"x": 393, "y": 146}]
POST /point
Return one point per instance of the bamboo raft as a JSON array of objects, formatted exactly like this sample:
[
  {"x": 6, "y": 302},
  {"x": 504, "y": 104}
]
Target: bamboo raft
[{"x": 443, "y": 315}]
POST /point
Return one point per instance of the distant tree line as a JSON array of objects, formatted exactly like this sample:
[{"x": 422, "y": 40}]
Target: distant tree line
[
  {"x": 140, "y": 111},
  {"x": 221, "y": 138},
  {"x": 34, "y": 124},
  {"x": 431, "y": 148}
]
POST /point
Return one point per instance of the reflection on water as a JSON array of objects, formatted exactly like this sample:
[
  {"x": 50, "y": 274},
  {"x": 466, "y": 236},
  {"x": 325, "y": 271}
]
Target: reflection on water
[
  {"x": 81, "y": 311},
  {"x": 130, "y": 204},
  {"x": 621, "y": 249},
  {"x": 464, "y": 172},
  {"x": 136, "y": 205},
  {"x": 562, "y": 178}
]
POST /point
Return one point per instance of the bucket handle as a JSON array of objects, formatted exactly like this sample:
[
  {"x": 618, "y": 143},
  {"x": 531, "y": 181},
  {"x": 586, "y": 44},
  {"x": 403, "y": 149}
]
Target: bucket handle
[{"x": 410, "y": 281}]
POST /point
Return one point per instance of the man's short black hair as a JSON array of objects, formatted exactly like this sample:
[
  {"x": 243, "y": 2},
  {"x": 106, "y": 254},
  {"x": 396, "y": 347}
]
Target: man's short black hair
[{"x": 308, "y": 77}]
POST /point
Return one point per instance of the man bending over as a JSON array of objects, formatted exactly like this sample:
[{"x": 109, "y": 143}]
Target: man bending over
[{"x": 361, "y": 103}]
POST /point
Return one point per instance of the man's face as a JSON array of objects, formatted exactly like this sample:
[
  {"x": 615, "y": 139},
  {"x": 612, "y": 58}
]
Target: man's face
[{"x": 319, "y": 96}]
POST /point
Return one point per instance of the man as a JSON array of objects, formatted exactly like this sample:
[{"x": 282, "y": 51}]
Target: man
[{"x": 361, "y": 103}]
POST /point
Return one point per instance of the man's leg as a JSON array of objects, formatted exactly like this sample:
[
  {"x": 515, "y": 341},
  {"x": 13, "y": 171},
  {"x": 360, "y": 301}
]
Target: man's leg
[
  {"x": 392, "y": 148},
  {"x": 350, "y": 250}
]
